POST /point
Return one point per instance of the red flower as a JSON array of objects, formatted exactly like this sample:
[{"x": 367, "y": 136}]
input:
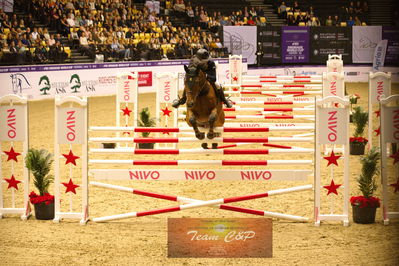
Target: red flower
[
  {"x": 362, "y": 201},
  {"x": 358, "y": 140},
  {"x": 37, "y": 199}
]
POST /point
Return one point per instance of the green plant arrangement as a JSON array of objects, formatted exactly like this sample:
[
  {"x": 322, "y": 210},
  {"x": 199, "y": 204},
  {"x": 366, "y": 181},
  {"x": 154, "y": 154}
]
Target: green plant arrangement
[
  {"x": 39, "y": 164},
  {"x": 364, "y": 207},
  {"x": 358, "y": 142},
  {"x": 145, "y": 120},
  {"x": 353, "y": 100}
]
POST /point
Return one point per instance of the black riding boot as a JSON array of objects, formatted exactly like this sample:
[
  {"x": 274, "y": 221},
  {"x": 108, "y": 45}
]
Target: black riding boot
[
  {"x": 220, "y": 93},
  {"x": 176, "y": 103}
]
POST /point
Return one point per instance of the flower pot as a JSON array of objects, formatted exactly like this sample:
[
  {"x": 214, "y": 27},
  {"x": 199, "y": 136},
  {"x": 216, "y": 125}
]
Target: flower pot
[
  {"x": 356, "y": 148},
  {"x": 146, "y": 145},
  {"x": 363, "y": 215},
  {"x": 44, "y": 211}
]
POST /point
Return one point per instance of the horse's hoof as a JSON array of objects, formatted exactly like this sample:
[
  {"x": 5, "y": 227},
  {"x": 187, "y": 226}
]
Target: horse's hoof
[
  {"x": 200, "y": 135},
  {"x": 204, "y": 146},
  {"x": 210, "y": 135},
  {"x": 214, "y": 145}
]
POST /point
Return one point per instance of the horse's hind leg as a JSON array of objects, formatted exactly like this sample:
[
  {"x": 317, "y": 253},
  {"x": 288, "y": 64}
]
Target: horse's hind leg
[
  {"x": 212, "y": 118},
  {"x": 193, "y": 122}
]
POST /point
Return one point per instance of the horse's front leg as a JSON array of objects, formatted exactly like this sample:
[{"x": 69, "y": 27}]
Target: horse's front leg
[
  {"x": 212, "y": 120},
  {"x": 193, "y": 121}
]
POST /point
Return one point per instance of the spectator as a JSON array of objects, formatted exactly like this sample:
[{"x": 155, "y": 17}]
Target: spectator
[
  {"x": 329, "y": 21},
  {"x": 283, "y": 10},
  {"x": 357, "y": 21},
  {"x": 350, "y": 22},
  {"x": 336, "y": 21}
]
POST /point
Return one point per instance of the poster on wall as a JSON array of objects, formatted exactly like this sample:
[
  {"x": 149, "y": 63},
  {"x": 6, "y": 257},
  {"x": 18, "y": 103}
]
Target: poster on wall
[
  {"x": 392, "y": 53},
  {"x": 330, "y": 40},
  {"x": 364, "y": 42},
  {"x": 241, "y": 40},
  {"x": 270, "y": 42},
  {"x": 295, "y": 44}
]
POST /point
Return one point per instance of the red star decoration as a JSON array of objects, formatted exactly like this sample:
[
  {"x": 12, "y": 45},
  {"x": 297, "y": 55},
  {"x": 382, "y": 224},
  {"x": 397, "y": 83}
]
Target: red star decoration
[
  {"x": 70, "y": 158},
  {"x": 332, "y": 188},
  {"x": 235, "y": 78},
  {"x": 70, "y": 186},
  {"x": 12, "y": 182},
  {"x": 332, "y": 159},
  {"x": 166, "y": 111},
  {"x": 126, "y": 133},
  {"x": 377, "y": 113},
  {"x": 377, "y": 131},
  {"x": 12, "y": 155},
  {"x": 395, "y": 185},
  {"x": 236, "y": 89},
  {"x": 395, "y": 157},
  {"x": 165, "y": 133},
  {"x": 126, "y": 111}
]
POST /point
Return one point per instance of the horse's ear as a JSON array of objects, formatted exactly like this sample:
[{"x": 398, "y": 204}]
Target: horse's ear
[{"x": 186, "y": 68}]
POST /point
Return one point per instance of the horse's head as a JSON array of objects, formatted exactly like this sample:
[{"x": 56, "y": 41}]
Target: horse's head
[{"x": 193, "y": 83}]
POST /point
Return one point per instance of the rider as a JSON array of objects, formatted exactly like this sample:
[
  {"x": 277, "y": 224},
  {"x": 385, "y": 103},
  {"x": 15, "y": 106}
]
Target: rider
[{"x": 210, "y": 71}]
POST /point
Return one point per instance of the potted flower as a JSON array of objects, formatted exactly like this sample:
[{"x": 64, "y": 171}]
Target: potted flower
[
  {"x": 357, "y": 142},
  {"x": 353, "y": 100},
  {"x": 145, "y": 120},
  {"x": 364, "y": 207},
  {"x": 39, "y": 163}
]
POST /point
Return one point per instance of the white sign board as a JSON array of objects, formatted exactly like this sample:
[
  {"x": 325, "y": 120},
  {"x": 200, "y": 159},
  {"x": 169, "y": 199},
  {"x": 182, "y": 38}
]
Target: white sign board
[
  {"x": 333, "y": 84},
  {"x": 332, "y": 126},
  {"x": 200, "y": 175},
  {"x": 167, "y": 85},
  {"x": 380, "y": 84},
  {"x": 71, "y": 126},
  {"x": 12, "y": 120},
  {"x": 391, "y": 127},
  {"x": 127, "y": 87},
  {"x": 235, "y": 65}
]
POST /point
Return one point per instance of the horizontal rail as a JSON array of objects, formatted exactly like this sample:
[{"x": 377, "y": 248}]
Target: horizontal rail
[{"x": 203, "y": 162}]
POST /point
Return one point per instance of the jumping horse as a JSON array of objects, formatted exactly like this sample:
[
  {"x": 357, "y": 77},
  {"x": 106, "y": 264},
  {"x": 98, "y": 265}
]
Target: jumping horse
[{"x": 204, "y": 109}]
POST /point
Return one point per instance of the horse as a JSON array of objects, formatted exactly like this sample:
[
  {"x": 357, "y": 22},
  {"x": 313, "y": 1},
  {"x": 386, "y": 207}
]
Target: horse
[{"x": 204, "y": 109}]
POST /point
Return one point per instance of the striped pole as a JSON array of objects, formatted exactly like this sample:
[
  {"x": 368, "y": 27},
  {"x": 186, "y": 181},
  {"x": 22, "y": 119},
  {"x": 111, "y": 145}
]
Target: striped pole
[
  {"x": 190, "y": 200},
  {"x": 204, "y": 162},
  {"x": 195, "y": 203},
  {"x": 182, "y": 129},
  {"x": 202, "y": 151},
  {"x": 274, "y": 109},
  {"x": 283, "y": 77},
  {"x": 261, "y": 116},
  {"x": 275, "y": 93},
  {"x": 189, "y": 139}
]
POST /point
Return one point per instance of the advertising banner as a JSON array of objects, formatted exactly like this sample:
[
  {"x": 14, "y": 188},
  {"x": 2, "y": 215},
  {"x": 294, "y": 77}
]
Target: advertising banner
[
  {"x": 270, "y": 42},
  {"x": 392, "y": 35},
  {"x": 330, "y": 40},
  {"x": 241, "y": 40},
  {"x": 295, "y": 44},
  {"x": 47, "y": 81},
  {"x": 379, "y": 55},
  {"x": 364, "y": 42},
  {"x": 219, "y": 238}
]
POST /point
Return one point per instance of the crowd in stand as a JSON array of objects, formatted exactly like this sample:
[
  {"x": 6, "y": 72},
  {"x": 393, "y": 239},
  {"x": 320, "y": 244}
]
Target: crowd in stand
[
  {"x": 113, "y": 30},
  {"x": 353, "y": 14}
]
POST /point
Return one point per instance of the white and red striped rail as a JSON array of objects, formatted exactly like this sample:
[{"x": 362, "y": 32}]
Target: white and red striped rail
[
  {"x": 256, "y": 85},
  {"x": 197, "y": 204},
  {"x": 274, "y": 109},
  {"x": 262, "y": 116},
  {"x": 183, "y": 129},
  {"x": 190, "y": 200},
  {"x": 203, "y": 162},
  {"x": 286, "y": 100},
  {"x": 188, "y": 139},
  {"x": 274, "y": 93},
  {"x": 203, "y": 151}
]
